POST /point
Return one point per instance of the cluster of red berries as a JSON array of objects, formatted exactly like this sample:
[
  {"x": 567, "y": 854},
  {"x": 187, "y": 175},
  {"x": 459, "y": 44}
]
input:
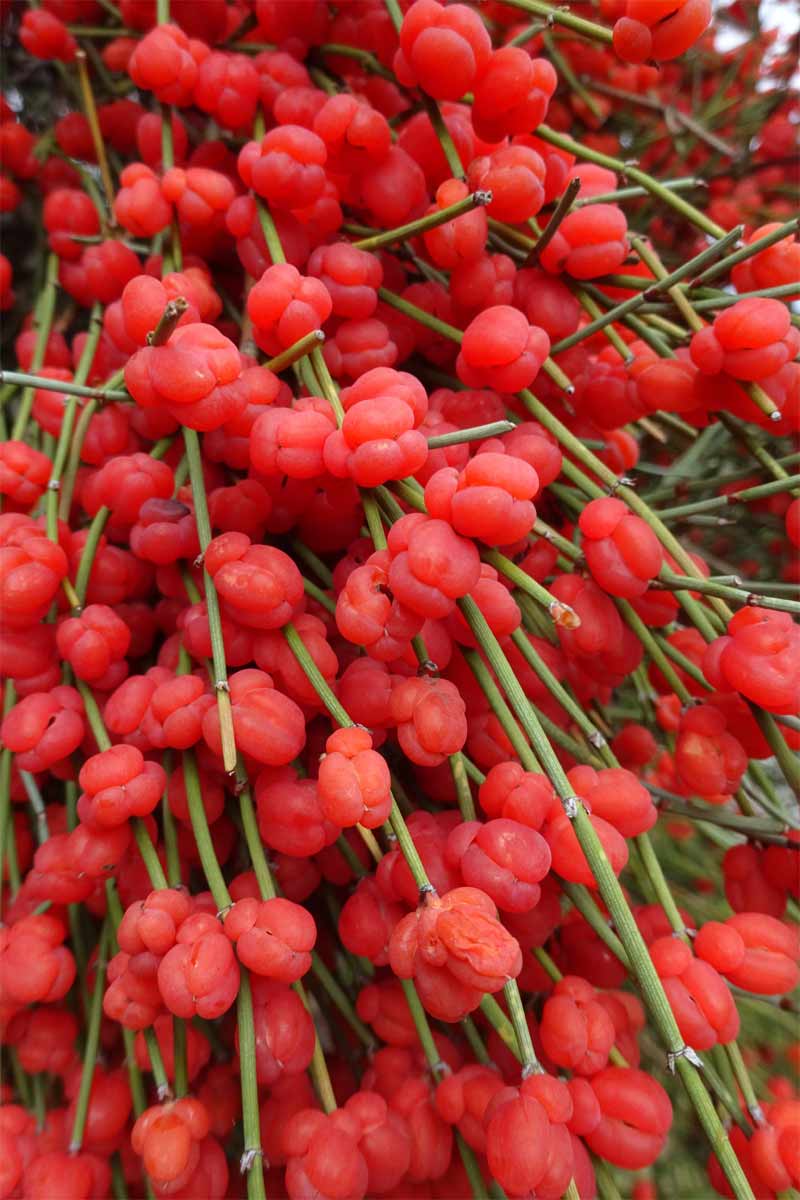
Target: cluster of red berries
[{"x": 389, "y": 791}]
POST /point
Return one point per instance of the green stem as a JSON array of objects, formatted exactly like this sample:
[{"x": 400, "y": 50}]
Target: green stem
[
  {"x": 476, "y": 433},
  {"x": 742, "y": 1077},
  {"x": 157, "y": 1068},
  {"x": 69, "y": 387},
  {"x": 530, "y": 1063},
  {"x": 251, "y": 1163},
  {"x": 551, "y": 228},
  {"x": 149, "y": 854},
  {"x": 479, "y": 1051},
  {"x": 87, "y": 558},
  {"x": 373, "y": 518},
  {"x": 342, "y": 1002},
  {"x": 562, "y": 16},
  {"x": 710, "y": 587},
  {"x": 42, "y": 321},
  {"x": 299, "y": 350},
  {"x": 170, "y": 832},
  {"x": 422, "y": 1026},
  {"x": 91, "y": 1047},
  {"x": 742, "y": 496},
  {"x": 679, "y": 1057},
  {"x": 628, "y": 170},
  {"x": 562, "y": 614},
  {"x": 501, "y": 710},
  {"x": 583, "y": 900},
  {"x": 741, "y": 255},
  {"x": 403, "y": 233},
  {"x": 466, "y": 804},
  {"x": 202, "y": 833},
  {"x": 444, "y": 137},
  {"x": 192, "y": 443},
  {"x": 37, "y": 805},
  {"x": 74, "y": 460},
  {"x": 559, "y": 693},
  {"x": 632, "y": 303},
  {"x": 788, "y": 761}
]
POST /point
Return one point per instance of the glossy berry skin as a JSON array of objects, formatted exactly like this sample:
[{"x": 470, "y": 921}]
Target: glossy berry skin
[
  {"x": 455, "y": 949},
  {"x": 367, "y": 921},
  {"x": 286, "y": 167},
  {"x": 139, "y": 206},
  {"x": 228, "y": 87},
  {"x": 354, "y": 781},
  {"x": 44, "y": 36},
  {"x": 290, "y": 441},
  {"x": 350, "y": 276},
  {"x": 199, "y": 976},
  {"x": 152, "y": 924},
  {"x": 24, "y": 473},
  {"x": 357, "y": 138},
  {"x": 569, "y": 859},
  {"x": 31, "y": 570},
  {"x": 770, "y": 962},
  {"x": 323, "y": 1158},
  {"x": 576, "y": 1031},
  {"x": 700, "y": 999},
  {"x": 94, "y": 642},
  {"x": 144, "y": 299},
  {"x": 201, "y": 195},
  {"x": 527, "y": 1143},
  {"x": 512, "y": 792},
  {"x": 379, "y": 439},
  {"x": 290, "y": 816},
  {"x": 175, "y": 713},
  {"x": 760, "y": 658},
  {"x": 490, "y": 499},
  {"x": 196, "y": 376},
  {"x": 515, "y": 176},
  {"x": 462, "y": 1098},
  {"x": 500, "y": 349},
  {"x": 774, "y": 1147},
  {"x": 285, "y": 1035},
  {"x": 285, "y": 306},
  {"x": 504, "y": 858},
  {"x": 124, "y": 484},
  {"x": 168, "y": 1138},
  {"x": 273, "y": 938},
  {"x": 659, "y": 32},
  {"x": 708, "y": 759},
  {"x": 165, "y": 532},
  {"x": 44, "y": 1039},
  {"x": 268, "y": 725},
  {"x": 636, "y": 1118},
  {"x": 118, "y": 784},
  {"x": 430, "y": 718},
  {"x": 368, "y": 616},
  {"x": 44, "y": 728},
  {"x": 513, "y": 95},
  {"x": 589, "y": 242},
  {"x": 458, "y": 241},
  {"x": 259, "y": 586},
  {"x": 34, "y": 965},
  {"x": 622, "y": 552},
  {"x": 165, "y": 62},
  {"x": 777, "y": 264},
  {"x": 442, "y": 49},
  {"x": 431, "y": 566},
  {"x": 750, "y": 340},
  {"x": 617, "y": 796}
]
